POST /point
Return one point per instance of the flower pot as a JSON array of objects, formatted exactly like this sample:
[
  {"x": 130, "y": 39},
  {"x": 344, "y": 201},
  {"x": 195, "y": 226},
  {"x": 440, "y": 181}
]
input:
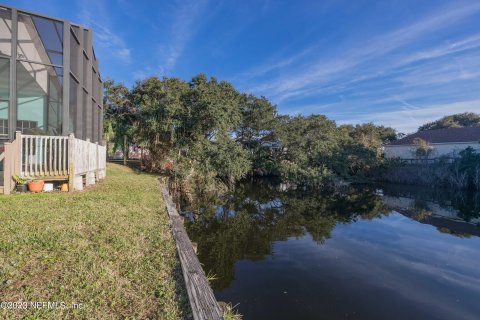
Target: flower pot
[
  {"x": 36, "y": 186},
  {"x": 22, "y": 188},
  {"x": 64, "y": 187}
]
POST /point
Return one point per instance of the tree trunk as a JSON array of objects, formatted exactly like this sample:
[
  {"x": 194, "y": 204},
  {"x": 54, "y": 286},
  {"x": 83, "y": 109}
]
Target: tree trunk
[{"x": 125, "y": 150}]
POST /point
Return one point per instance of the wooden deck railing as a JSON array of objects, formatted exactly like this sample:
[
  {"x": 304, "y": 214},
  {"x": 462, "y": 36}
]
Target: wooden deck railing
[
  {"x": 43, "y": 156},
  {"x": 11, "y": 164},
  {"x": 53, "y": 158}
]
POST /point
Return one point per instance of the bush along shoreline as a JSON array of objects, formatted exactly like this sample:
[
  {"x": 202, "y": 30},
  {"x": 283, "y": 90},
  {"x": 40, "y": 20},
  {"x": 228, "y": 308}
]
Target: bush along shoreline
[
  {"x": 463, "y": 173},
  {"x": 204, "y": 133}
]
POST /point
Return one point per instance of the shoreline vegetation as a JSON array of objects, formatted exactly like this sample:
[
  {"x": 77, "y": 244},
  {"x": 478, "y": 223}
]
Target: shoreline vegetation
[
  {"x": 205, "y": 136},
  {"x": 109, "y": 250},
  {"x": 462, "y": 173}
]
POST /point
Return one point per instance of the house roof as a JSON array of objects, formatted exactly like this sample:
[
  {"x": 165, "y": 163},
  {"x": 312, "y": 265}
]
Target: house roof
[{"x": 450, "y": 135}]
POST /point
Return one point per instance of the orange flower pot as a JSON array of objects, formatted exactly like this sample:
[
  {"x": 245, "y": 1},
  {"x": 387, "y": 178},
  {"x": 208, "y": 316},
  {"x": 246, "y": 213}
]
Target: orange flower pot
[
  {"x": 36, "y": 186},
  {"x": 64, "y": 187}
]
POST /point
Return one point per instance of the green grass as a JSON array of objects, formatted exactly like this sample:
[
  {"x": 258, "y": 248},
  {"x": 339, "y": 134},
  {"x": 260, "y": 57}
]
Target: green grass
[
  {"x": 109, "y": 248},
  {"x": 229, "y": 312}
]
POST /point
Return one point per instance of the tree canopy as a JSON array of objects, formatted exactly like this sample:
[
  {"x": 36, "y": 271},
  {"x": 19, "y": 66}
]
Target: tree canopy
[
  {"x": 205, "y": 130},
  {"x": 459, "y": 120}
]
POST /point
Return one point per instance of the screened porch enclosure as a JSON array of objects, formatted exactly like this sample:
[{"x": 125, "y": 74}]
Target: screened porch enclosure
[
  {"x": 39, "y": 99},
  {"x": 50, "y": 100},
  {"x": 50, "y": 84}
]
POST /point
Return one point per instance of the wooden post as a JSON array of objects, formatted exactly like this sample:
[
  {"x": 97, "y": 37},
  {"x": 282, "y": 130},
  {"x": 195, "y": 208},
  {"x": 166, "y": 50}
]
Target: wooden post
[
  {"x": 87, "y": 174},
  {"x": 125, "y": 150},
  {"x": 18, "y": 153},
  {"x": 71, "y": 161},
  {"x": 7, "y": 169},
  {"x": 141, "y": 157}
]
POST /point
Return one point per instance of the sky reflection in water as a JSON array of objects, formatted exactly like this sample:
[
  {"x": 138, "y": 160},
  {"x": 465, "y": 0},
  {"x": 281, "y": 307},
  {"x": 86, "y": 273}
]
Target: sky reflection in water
[{"x": 388, "y": 266}]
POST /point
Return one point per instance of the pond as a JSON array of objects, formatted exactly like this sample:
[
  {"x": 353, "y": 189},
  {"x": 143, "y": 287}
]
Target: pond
[{"x": 368, "y": 252}]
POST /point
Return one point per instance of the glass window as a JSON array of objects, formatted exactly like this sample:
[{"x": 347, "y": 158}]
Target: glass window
[
  {"x": 95, "y": 122},
  {"x": 4, "y": 79},
  {"x": 3, "y": 119},
  {"x": 94, "y": 84},
  {"x": 4, "y": 96},
  {"x": 85, "y": 122},
  {"x": 73, "y": 105},
  {"x": 99, "y": 90},
  {"x": 74, "y": 54},
  {"x": 5, "y": 32},
  {"x": 86, "y": 40},
  {"x": 39, "y": 98},
  {"x": 40, "y": 39},
  {"x": 85, "y": 71},
  {"x": 76, "y": 30}
]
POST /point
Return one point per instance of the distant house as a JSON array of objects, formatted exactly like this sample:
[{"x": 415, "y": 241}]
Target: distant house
[{"x": 441, "y": 142}]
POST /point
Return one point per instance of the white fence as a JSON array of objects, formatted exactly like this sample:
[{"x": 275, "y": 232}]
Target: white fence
[
  {"x": 54, "y": 158},
  {"x": 43, "y": 156}
]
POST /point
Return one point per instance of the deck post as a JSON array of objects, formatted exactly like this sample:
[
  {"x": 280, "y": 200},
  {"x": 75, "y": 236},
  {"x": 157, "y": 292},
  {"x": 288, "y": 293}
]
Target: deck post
[
  {"x": 18, "y": 153},
  {"x": 90, "y": 175},
  {"x": 71, "y": 162},
  {"x": 7, "y": 167}
]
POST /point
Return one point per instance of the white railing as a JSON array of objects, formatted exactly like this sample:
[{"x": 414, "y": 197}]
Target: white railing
[
  {"x": 89, "y": 159},
  {"x": 43, "y": 156},
  {"x": 54, "y": 158},
  {"x": 81, "y": 150}
]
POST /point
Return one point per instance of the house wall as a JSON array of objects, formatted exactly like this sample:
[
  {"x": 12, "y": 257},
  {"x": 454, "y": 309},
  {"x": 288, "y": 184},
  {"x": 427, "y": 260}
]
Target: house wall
[{"x": 439, "y": 149}]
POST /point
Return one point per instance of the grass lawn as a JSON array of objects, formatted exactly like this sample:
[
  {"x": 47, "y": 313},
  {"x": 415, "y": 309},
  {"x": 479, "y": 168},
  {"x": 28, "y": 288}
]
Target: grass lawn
[{"x": 109, "y": 249}]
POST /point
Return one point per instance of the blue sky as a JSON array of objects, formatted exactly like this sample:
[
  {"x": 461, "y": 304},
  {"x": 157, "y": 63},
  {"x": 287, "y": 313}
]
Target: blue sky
[{"x": 398, "y": 63}]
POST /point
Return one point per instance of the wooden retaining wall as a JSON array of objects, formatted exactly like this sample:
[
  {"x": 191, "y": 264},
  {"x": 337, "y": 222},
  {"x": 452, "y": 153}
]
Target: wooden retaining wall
[{"x": 202, "y": 301}]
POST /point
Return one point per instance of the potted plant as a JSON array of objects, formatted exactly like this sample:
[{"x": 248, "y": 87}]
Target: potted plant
[
  {"x": 35, "y": 185},
  {"x": 64, "y": 187},
  {"x": 21, "y": 183}
]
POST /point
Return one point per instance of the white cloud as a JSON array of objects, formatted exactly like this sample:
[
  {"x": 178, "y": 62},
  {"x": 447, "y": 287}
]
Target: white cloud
[
  {"x": 94, "y": 14},
  {"x": 266, "y": 68},
  {"x": 471, "y": 42},
  {"x": 371, "y": 59},
  {"x": 186, "y": 15}
]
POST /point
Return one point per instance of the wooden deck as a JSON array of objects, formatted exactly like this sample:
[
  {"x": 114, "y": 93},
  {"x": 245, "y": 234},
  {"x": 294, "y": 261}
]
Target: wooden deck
[
  {"x": 52, "y": 158},
  {"x": 202, "y": 300}
]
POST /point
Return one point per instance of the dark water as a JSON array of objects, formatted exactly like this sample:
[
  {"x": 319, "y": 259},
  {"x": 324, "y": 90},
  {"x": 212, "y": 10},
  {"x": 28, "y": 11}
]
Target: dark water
[{"x": 383, "y": 252}]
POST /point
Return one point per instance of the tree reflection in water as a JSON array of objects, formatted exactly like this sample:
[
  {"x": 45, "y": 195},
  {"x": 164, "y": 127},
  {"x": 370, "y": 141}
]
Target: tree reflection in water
[{"x": 244, "y": 223}]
